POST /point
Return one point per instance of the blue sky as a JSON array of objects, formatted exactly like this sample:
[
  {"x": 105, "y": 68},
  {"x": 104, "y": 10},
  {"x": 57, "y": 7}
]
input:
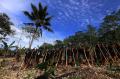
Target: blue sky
[{"x": 69, "y": 16}]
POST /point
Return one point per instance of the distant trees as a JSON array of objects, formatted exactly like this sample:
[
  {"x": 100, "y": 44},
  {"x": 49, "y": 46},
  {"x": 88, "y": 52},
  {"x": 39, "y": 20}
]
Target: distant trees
[
  {"x": 5, "y": 26},
  {"x": 83, "y": 38},
  {"x": 46, "y": 46},
  {"x": 40, "y": 19},
  {"x": 58, "y": 44},
  {"x": 108, "y": 32}
]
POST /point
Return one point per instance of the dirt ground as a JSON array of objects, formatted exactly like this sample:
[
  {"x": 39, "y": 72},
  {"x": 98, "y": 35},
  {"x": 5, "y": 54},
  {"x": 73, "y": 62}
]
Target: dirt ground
[{"x": 9, "y": 69}]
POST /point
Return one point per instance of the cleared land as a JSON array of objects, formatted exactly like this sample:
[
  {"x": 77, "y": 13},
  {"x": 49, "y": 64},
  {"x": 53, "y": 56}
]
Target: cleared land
[{"x": 9, "y": 69}]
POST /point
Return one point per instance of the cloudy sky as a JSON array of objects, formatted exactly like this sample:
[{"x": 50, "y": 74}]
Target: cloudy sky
[{"x": 69, "y": 16}]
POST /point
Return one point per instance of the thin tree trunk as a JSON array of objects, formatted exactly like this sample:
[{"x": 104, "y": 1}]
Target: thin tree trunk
[
  {"x": 108, "y": 52},
  {"x": 44, "y": 57},
  {"x": 19, "y": 39},
  {"x": 95, "y": 53},
  {"x": 74, "y": 57},
  {"x": 66, "y": 56},
  {"x": 58, "y": 58},
  {"x": 31, "y": 42},
  {"x": 91, "y": 54},
  {"x": 115, "y": 53},
  {"x": 118, "y": 52},
  {"x": 86, "y": 58},
  {"x": 102, "y": 53}
]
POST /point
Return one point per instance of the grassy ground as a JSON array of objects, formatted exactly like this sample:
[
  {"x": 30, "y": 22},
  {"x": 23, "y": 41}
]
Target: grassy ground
[{"x": 9, "y": 69}]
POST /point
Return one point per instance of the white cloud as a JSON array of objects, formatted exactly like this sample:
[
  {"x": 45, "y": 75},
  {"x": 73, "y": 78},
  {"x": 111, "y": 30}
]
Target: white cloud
[
  {"x": 16, "y": 6},
  {"x": 13, "y": 6}
]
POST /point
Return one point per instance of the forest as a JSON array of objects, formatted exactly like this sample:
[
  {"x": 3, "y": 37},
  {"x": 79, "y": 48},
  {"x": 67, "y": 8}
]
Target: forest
[{"x": 94, "y": 50}]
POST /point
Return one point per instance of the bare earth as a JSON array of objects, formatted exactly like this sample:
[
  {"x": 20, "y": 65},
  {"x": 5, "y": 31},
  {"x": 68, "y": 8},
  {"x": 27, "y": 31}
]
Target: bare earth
[{"x": 9, "y": 69}]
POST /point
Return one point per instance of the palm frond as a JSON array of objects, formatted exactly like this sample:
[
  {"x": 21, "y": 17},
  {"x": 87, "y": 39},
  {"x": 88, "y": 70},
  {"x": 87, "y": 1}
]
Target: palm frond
[
  {"x": 45, "y": 8},
  {"x": 48, "y": 18},
  {"x": 11, "y": 43},
  {"x": 48, "y": 28},
  {"x": 28, "y": 15},
  {"x": 13, "y": 47},
  {"x": 28, "y": 24},
  {"x": 40, "y": 6},
  {"x": 47, "y": 23},
  {"x": 35, "y": 10},
  {"x": 5, "y": 44}
]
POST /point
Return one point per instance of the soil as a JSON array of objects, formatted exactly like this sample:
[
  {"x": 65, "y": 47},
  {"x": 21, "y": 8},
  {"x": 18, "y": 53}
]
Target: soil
[{"x": 9, "y": 69}]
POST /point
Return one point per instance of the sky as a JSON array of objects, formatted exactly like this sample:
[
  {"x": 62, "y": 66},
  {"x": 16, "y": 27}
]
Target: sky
[{"x": 69, "y": 16}]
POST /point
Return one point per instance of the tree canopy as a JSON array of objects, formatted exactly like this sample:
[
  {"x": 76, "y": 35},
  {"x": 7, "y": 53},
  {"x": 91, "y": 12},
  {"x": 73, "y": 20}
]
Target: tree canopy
[{"x": 5, "y": 25}]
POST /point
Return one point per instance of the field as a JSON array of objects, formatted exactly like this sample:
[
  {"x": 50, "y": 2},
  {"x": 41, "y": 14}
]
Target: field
[{"x": 11, "y": 70}]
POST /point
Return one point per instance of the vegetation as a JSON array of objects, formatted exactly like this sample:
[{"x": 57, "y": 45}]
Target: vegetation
[
  {"x": 5, "y": 28},
  {"x": 93, "y": 47}
]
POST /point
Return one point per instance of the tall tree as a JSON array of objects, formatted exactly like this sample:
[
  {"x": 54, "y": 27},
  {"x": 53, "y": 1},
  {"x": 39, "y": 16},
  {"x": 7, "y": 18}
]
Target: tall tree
[
  {"x": 109, "y": 28},
  {"x": 30, "y": 31},
  {"x": 91, "y": 34},
  {"x": 5, "y": 25},
  {"x": 40, "y": 19}
]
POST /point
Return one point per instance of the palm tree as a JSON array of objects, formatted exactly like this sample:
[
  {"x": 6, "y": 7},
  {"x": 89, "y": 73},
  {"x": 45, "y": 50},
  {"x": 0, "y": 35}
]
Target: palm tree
[{"x": 40, "y": 19}]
